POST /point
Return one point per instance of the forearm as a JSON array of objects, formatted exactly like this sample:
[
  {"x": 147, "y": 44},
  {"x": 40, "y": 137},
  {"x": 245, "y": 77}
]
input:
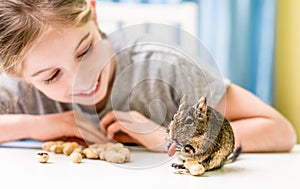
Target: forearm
[
  {"x": 15, "y": 126},
  {"x": 38, "y": 127},
  {"x": 257, "y": 126},
  {"x": 261, "y": 134}
]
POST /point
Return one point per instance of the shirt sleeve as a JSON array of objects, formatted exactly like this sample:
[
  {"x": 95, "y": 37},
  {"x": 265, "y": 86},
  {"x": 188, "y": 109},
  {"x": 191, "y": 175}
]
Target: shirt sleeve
[
  {"x": 185, "y": 75},
  {"x": 195, "y": 79},
  {"x": 17, "y": 97}
]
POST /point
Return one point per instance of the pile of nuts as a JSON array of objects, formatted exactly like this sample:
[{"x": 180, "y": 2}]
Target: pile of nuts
[{"x": 110, "y": 152}]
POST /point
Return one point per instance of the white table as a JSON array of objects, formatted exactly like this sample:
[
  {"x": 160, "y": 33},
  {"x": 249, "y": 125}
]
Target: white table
[{"x": 20, "y": 169}]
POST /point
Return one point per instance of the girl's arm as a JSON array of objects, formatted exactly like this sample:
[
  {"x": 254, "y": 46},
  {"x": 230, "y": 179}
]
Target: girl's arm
[
  {"x": 257, "y": 126},
  {"x": 15, "y": 127},
  {"x": 48, "y": 127}
]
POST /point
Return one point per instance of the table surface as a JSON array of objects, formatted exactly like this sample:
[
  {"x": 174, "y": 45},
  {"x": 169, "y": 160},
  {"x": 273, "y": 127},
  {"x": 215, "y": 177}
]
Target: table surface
[{"x": 19, "y": 168}]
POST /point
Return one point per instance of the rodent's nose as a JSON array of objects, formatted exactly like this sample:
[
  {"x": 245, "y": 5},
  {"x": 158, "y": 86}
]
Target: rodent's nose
[{"x": 189, "y": 149}]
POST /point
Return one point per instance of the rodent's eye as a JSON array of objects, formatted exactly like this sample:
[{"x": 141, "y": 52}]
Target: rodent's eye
[{"x": 189, "y": 121}]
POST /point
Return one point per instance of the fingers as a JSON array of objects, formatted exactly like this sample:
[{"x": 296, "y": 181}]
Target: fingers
[
  {"x": 115, "y": 128},
  {"x": 114, "y": 116},
  {"x": 119, "y": 133},
  {"x": 125, "y": 139},
  {"x": 132, "y": 123},
  {"x": 89, "y": 131},
  {"x": 131, "y": 120},
  {"x": 94, "y": 136},
  {"x": 107, "y": 120},
  {"x": 120, "y": 125}
]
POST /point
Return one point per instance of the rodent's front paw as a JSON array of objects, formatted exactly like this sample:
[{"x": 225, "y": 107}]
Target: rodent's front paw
[{"x": 178, "y": 166}]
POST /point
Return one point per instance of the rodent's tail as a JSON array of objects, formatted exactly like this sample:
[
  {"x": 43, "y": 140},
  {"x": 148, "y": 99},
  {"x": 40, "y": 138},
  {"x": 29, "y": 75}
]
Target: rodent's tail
[{"x": 234, "y": 155}]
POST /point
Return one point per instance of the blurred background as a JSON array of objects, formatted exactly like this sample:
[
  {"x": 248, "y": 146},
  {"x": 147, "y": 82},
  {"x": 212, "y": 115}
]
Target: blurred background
[{"x": 256, "y": 43}]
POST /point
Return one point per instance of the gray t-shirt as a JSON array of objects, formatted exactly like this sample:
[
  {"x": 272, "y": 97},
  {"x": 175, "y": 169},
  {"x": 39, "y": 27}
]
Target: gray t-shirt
[{"x": 150, "y": 78}]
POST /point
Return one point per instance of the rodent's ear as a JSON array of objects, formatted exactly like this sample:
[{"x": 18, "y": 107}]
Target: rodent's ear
[
  {"x": 201, "y": 105},
  {"x": 183, "y": 102},
  {"x": 184, "y": 99}
]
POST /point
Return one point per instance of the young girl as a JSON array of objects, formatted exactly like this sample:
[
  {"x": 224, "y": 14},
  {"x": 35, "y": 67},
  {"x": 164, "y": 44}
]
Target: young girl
[{"x": 60, "y": 70}]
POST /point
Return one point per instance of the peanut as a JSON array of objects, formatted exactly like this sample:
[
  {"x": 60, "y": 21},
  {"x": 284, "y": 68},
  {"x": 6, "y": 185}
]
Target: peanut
[
  {"x": 196, "y": 169},
  {"x": 115, "y": 147},
  {"x": 42, "y": 157},
  {"x": 47, "y": 145},
  {"x": 57, "y": 148},
  {"x": 79, "y": 150},
  {"x": 114, "y": 157},
  {"x": 126, "y": 153},
  {"x": 102, "y": 155},
  {"x": 90, "y": 153},
  {"x": 69, "y": 147},
  {"x": 188, "y": 163},
  {"x": 76, "y": 157}
]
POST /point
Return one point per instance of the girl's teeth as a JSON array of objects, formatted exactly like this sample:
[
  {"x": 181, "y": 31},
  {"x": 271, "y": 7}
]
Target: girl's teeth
[{"x": 93, "y": 89}]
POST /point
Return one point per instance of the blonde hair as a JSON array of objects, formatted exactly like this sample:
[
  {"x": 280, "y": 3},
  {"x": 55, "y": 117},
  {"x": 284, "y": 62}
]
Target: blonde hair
[{"x": 24, "y": 22}]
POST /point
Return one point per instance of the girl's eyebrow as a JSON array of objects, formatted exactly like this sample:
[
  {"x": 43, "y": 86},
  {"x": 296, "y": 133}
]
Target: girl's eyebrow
[{"x": 38, "y": 72}]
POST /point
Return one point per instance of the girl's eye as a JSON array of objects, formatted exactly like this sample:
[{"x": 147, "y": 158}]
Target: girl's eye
[
  {"x": 84, "y": 53},
  {"x": 52, "y": 78}
]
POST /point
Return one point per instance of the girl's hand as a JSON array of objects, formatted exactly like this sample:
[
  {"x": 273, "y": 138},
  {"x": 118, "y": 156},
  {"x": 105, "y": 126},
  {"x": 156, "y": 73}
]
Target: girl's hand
[
  {"x": 65, "y": 126},
  {"x": 86, "y": 130},
  {"x": 133, "y": 127}
]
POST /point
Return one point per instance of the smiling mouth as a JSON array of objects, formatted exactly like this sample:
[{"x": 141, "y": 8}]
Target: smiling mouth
[{"x": 91, "y": 91}]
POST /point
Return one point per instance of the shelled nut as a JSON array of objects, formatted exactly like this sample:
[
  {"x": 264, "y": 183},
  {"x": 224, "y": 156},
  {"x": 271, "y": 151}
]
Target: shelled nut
[{"x": 42, "y": 157}]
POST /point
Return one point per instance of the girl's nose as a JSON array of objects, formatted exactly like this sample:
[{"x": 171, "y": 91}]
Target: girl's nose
[
  {"x": 84, "y": 75},
  {"x": 72, "y": 75}
]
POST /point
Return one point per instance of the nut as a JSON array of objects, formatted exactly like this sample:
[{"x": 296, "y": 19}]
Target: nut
[
  {"x": 188, "y": 163},
  {"x": 90, "y": 153},
  {"x": 196, "y": 169},
  {"x": 57, "y": 148},
  {"x": 76, "y": 157},
  {"x": 114, "y": 157},
  {"x": 69, "y": 147},
  {"x": 79, "y": 150},
  {"x": 102, "y": 155},
  {"x": 126, "y": 153},
  {"x": 115, "y": 147},
  {"x": 42, "y": 157},
  {"x": 47, "y": 145}
]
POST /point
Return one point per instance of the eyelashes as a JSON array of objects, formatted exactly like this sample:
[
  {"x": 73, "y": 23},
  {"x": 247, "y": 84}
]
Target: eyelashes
[
  {"x": 85, "y": 52},
  {"x": 51, "y": 79}
]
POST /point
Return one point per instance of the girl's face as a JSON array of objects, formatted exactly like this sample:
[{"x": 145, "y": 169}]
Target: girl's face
[{"x": 71, "y": 65}]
